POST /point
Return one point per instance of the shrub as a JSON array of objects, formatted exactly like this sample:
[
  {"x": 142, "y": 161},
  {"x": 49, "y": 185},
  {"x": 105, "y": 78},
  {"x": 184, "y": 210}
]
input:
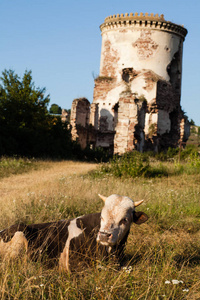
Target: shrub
[
  {"x": 130, "y": 164},
  {"x": 189, "y": 150},
  {"x": 133, "y": 164}
]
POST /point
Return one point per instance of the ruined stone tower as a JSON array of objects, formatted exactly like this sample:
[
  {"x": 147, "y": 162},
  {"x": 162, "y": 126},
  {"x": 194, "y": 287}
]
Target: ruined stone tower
[{"x": 136, "y": 103}]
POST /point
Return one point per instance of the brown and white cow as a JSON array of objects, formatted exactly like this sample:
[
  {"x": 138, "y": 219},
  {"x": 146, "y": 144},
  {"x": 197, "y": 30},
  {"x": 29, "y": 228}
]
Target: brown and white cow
[{"x": 67, "y": 240}]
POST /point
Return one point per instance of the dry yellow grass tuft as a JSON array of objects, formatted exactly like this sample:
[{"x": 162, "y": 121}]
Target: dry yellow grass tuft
[{"x": 45, "y": 182}]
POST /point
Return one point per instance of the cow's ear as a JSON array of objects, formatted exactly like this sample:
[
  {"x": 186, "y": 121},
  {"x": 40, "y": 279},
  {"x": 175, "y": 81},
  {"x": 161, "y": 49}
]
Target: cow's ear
[{"x": 139, "y": 217}]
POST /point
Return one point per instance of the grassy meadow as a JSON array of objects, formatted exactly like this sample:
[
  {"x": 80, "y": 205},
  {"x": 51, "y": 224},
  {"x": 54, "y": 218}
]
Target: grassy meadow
[{"x": 162, "y": 255}]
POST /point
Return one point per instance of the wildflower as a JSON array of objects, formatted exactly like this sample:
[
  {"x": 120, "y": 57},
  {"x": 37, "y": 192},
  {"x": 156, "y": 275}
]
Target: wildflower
[
  {"x": 101, "y": 267},
  {"x": 127, "y": 269},
  {"x": 41, "y": 285},
  {"x": 185, "y": 290},
  {"x": 167, "y": 282},
  {"x": 175, "y": 281}
]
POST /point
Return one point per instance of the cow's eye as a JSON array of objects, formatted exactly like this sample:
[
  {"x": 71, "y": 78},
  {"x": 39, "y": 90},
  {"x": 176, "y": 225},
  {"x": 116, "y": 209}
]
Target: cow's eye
[{"x": 123, "y": 221}]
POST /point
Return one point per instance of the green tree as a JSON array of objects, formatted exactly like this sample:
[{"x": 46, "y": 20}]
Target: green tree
[
  {"x": 21, "y": 104},
  {"x": 55, "y": 109},
  {"x": 192, "y": 122},
  {"x": 26, "y": 127},
  {"x": 24, "y": 118}
]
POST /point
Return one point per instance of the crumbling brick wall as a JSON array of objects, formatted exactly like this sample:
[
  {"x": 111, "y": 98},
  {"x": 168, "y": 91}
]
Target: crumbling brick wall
[
  {"x": 80, "y": 113},
  {"x": 130, "y": 126}
]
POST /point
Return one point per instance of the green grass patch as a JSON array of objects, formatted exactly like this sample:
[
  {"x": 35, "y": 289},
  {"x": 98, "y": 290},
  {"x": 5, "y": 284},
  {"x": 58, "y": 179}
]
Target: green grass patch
[
  {"x": 135, "y": 164},
  {"x": 12, "y": 166}
]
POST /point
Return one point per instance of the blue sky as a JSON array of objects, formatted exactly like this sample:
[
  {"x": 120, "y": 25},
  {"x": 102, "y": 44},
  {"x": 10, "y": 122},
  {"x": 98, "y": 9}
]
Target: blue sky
[{"x": 60, "y": 41}]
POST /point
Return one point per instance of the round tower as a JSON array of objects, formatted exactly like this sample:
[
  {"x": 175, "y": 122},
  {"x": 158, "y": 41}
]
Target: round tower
[
  {"x": 140, "y": 42},
  {"x": 137, "y": 93}
]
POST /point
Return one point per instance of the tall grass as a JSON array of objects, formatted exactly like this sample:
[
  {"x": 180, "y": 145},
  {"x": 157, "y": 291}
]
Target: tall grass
[
  {"x": 11, "y": 166},
  {"x": 135, "y": 164},
  {"x": 164, "y": 249}
]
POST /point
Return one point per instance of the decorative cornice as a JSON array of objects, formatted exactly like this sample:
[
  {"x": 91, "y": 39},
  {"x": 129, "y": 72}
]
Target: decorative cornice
[{"x": 151, "y": 21}]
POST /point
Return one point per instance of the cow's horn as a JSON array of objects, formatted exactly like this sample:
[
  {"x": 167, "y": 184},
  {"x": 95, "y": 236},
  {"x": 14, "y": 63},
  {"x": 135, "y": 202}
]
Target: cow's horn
[
  {"x": 102, "y": 197},
  {"x": 138, "y": 203}
]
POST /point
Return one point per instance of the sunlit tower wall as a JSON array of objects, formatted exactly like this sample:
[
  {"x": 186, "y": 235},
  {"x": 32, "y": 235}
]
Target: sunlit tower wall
[{"x": 136, "y": 102}]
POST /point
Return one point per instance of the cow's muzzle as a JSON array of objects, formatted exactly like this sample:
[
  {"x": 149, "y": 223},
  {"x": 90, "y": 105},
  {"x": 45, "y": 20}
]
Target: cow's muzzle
[{"x": 104, "y": 236}]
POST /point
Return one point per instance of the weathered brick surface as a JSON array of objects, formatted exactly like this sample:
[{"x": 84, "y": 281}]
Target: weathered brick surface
[
  {"x": 79, "y": 120},
  {"x": 110, "y": 58},
  {"x": 102, "y": 86},
  {"x": 94, "y": 109},
  {"x": 130, "y": 125},
  {"x": 146, "y": 47}
]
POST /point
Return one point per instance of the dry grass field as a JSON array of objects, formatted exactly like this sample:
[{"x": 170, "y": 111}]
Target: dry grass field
[{"x": 162, "y": 255}]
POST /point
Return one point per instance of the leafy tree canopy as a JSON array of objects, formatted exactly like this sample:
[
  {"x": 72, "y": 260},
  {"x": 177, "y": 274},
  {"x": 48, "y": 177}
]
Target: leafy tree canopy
[
  {"x": 55, "y": 109},
  {"x": 21, "y": 103},
  {"x": 192, "y": 122}
]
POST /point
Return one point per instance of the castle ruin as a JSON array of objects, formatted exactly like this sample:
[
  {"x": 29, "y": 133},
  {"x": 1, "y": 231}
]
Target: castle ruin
[{"x": 136, "y": 101}]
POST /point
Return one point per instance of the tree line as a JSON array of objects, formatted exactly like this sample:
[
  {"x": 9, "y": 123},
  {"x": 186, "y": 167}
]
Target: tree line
[{"x": 26, "y": 127}]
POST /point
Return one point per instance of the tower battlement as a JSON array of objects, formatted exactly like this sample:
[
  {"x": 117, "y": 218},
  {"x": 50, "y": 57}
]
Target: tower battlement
[
  {"x": 152, "y": 21},
  {"x": 145, "y": 16}
]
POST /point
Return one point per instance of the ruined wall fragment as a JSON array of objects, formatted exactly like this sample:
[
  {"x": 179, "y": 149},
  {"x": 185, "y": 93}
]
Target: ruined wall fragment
[
  {"x": 65, "y": 116},
  {"x": 130, "y": 126},
  {"x": 79, "y": 121}
]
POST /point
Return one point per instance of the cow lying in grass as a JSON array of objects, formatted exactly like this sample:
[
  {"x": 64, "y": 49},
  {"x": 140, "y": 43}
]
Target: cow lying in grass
[{"x": 67, "y": 240}]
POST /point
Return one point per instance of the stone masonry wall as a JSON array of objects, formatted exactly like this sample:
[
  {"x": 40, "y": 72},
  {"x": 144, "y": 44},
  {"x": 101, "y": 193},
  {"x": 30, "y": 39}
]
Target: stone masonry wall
[
  {"x": 103, "y": 85},
  {"x": 79, "y": 121},
  {"x": 129, "y": 130}
]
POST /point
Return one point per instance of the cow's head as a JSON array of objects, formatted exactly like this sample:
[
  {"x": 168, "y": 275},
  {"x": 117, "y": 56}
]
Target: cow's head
[{"x": 116, "y": 217}]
